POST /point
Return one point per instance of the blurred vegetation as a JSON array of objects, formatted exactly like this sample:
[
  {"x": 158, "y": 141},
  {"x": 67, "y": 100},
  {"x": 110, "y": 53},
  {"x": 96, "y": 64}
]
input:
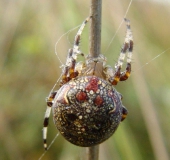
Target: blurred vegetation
[{"x": 29, "y": 69}]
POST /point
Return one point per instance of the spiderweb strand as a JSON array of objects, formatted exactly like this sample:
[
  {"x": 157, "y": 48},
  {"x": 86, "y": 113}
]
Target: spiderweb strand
[
  {"x": 55, "y": 84},
  {"x": 60, "y": 39},
  {"x": 152, "y": 59},
  {"x": 49, "y": 146},
  {"x": 119, "y": 26},
  {"x": 62, "y": 64}
]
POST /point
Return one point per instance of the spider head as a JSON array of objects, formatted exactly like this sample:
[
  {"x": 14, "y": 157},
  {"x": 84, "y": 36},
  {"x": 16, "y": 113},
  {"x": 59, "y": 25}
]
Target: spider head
[{"x": 93, "y": 66}]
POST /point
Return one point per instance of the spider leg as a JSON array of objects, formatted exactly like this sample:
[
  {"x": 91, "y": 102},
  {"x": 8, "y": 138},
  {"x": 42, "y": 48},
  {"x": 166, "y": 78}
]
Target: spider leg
[
  {"x": 127, "y": 47},
  {"x": 124, "y": 113},
  {"x": 65, "y": 72},
  {"x": 124, "y": 75},
  {"x": 124, "y": 110},
  {"x": 47, "y": 115},
  {"x": 69, "y": 71}
]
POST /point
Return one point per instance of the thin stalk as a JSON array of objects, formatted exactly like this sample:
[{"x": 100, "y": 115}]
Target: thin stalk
[
  {"x": 95, "y": 43},
  {"x": 92, "y": 153},
  {"x": 95, "y": 27}
]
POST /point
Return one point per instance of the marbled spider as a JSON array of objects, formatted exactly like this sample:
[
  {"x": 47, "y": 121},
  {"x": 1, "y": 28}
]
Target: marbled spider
[{"x": 86, "y": 108}]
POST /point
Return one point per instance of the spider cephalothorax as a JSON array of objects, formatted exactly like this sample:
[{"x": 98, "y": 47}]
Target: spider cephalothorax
[{"x": 86, "y": 108}]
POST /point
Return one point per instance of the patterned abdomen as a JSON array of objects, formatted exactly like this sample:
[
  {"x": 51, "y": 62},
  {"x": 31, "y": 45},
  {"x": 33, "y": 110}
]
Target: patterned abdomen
[{"x": 87, "y": 110}]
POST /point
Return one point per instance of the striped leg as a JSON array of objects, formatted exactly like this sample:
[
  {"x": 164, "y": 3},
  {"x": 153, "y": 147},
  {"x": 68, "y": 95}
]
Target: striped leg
[
  {"x": 77, "y": 38},
  {"x": 124, "y": 113},
  {"x": 127, "y": 47},
  {"x": 69, "y": 71},
  {"x": 47, "y": 115},
  {"x": 124, "y": 75}
]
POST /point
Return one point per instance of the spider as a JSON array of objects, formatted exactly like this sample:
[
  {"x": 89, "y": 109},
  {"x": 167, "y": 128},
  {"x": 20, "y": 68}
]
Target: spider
[{"x": 87, "y": 109}]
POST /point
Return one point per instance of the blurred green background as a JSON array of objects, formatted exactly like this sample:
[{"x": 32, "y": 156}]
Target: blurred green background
[{"x": 29, "y": 69}]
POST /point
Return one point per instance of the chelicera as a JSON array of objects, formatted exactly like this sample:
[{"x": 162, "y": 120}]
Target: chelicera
[{"x": 86, "y": 108}]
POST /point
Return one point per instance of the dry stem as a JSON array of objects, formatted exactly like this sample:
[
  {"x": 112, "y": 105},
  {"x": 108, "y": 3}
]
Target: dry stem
[{"x": 95, "y": 43}]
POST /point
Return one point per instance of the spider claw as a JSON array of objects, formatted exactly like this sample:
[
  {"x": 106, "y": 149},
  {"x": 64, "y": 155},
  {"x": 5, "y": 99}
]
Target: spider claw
[
  {"x": 88, "y": 18},
  {"x": 45, "y": 144},
  {"x": 127, "y": 22}
]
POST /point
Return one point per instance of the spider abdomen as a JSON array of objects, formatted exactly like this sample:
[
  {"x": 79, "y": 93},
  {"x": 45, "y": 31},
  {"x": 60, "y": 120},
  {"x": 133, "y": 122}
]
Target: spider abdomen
[{"x": 87, "y": 110}]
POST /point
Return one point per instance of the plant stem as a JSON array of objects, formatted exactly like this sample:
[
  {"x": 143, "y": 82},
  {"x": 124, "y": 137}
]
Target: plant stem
[
  {"x": 95, "y": 43},
  {"x": 92, "y": 152},
  {"x": 95, "y": 27}
]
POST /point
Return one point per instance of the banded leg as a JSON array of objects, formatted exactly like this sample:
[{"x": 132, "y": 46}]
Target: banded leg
[
  {"x": 127, "y": 47},
  {"x": 69, "y": 71},
  {"x": 126, "y": 74},
  {"x": 47, "y": 115},
  {"x": 124, "y": 113},
  {"x": 65, "y": 72},
  {"x": 77, "y": 39}
]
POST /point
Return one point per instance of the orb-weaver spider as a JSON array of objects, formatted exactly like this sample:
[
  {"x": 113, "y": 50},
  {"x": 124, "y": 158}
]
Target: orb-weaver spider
[{"x": 86, "y": 108}]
